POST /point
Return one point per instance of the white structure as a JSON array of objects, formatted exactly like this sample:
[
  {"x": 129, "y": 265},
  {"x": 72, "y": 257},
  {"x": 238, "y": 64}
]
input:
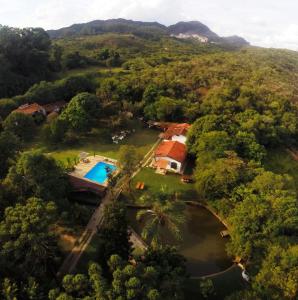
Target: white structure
[
  {"x": 177, "y": 132},
  {"x": 170, "y": 155},
  {"x": 200, "y": 38}
]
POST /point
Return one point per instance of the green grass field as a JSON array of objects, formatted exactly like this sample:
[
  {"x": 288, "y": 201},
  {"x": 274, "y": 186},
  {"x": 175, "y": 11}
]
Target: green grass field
[
  {"x": 171, "y": 182},
  {"x": 143, "y": 139}
]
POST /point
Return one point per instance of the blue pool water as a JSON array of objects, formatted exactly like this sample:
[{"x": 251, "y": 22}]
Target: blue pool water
[{"x": 99, "y": 172}]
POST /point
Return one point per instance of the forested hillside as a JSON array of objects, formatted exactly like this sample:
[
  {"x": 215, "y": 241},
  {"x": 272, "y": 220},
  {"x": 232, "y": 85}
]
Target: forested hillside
[
  {"x": 243, "y": 106},
  {"x": 24, "y": 59}
]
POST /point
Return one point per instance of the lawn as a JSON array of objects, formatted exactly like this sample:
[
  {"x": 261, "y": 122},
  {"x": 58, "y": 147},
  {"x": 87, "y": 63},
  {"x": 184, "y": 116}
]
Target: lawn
[
  {"x": 278, "y": 160},
  {"x": 143, "y": 139},
  {"x": 172, "y": 182}
]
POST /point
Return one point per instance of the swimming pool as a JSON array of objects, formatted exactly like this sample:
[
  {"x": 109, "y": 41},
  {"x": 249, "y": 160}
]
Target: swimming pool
[{"x": 99, "y": 172}]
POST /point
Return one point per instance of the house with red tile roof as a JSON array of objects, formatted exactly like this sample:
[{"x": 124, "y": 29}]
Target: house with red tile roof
[
  {"x": 176, "y": 132},
  {"x": 31, "y": 109},
  {"x": 170, "y": 155}
]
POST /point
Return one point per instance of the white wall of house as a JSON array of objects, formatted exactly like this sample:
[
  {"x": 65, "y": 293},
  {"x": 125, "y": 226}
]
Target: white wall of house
[
  {"x": 170, "y": 160},
  {"x": 179, "y": 138},
  {"x": 43, "y": 111}
]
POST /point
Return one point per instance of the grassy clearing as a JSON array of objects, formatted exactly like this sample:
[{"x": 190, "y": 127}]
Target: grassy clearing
[
  {"x": 278, "y": 160},
  {"x": 95, "y": 71},
  {"x": 171, "y": 182},
  {"x": 143, "y": 139}
]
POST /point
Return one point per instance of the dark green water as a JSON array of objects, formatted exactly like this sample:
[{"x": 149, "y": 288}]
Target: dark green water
[{"x": 202, "y": 245}]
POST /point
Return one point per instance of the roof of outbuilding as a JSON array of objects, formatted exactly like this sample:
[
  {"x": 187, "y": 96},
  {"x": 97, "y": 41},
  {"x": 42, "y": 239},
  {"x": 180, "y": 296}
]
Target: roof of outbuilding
[
  {"x": 176, "y": 129},
  {"x": 29, "y": 109}
]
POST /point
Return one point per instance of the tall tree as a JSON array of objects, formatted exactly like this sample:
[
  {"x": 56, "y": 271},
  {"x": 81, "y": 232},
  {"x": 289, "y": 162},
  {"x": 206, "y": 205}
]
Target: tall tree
[
  {"x": 268, "y": 211},
  {"x": 81, "y": 112},
  {"x": 24, "y": 55},
  {"x": 36, "y": 174},
  {"x": 27, "y": 246},
  {"x": 20, "y": 125},
  {"x": 113, "y": 234},
  {"x": 128, "y": 161},
  {"x": 160, "y": 218},
  {"x": 9, "y": 147}
]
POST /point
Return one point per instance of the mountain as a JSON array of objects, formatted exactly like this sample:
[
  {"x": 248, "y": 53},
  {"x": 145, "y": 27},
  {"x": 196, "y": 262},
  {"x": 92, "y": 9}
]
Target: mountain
[
  {"x": 183, "y": 30},
  {"x": 201, "y": 32},
  {"x": 138, "y": 28}
]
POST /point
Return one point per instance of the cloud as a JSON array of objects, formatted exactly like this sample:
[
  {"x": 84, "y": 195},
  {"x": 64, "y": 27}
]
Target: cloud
[{"x": 263, "y": 22}]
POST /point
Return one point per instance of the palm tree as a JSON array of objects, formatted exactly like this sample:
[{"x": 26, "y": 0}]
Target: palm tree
[{"x": 162, "y": 215}]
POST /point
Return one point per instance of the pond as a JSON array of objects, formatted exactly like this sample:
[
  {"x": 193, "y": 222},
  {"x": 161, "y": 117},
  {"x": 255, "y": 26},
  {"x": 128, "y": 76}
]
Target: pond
[{"x": 202, "y": 245}]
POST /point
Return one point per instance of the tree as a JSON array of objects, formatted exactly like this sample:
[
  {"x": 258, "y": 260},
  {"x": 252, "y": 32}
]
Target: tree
[
  {"x": 207, "y": 288},
  {"x": 24, "y": 58},
  {"x": 217, "y": 179},
  {"x": 9, "y": 147},
  {"x": 128, "y": 160},
  {"x": 113, "y": 234},
  {"x": 6, "y": 107},
  {"x": 202, "y": 125},
  {"x": 171, "y": 271},
  {"x": 55, "y": 132},
  {"x": 160, "y": 274},
  {"x": 81, "y": 112},
  {"x": 27, "y": 246},
  {"x": 9, "y": 290},
  {"x": 166, "y": 109},
  {"x": 214, "y": 144},
  {"x": 160, "y": 218},
  {"x": 56, "y": 58},
  {"x": 20, "y": 125},
  {"x": 114, "y": 59},
  {"x": 278, "y": 276},
  {"x": 29, "y": 289},
  {"x": 248, "y": 148},
  {"x": 151, "y": 94},
  {"x": 74, "y": 60},
  {"x": 38, "y": 175}
]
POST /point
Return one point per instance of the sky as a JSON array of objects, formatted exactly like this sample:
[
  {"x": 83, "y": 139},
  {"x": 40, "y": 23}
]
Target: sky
[{"x": 266, "y": 23}]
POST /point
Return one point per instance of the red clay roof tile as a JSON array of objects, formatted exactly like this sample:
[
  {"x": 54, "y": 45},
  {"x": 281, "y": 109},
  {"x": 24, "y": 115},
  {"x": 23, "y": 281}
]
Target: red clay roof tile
[{"x": 171, "y": 149}]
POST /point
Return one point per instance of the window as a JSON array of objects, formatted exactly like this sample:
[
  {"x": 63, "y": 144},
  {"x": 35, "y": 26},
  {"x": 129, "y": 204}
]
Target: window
[{"x": 174, "y": 166}]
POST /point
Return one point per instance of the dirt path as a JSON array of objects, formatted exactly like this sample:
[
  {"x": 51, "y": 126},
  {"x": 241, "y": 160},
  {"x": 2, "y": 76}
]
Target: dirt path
[
  {"x": 96, "y": 220},
  {"x": 137, "y": 241}
]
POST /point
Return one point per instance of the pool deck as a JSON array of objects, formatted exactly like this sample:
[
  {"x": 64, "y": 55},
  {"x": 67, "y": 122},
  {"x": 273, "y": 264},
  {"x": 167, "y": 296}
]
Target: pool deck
[{"x": 82, "y": 168}]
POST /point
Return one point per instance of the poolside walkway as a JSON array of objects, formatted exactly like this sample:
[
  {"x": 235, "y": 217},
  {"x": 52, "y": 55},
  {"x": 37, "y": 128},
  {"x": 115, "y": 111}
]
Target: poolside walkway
[{"x": 82, "y": 168}]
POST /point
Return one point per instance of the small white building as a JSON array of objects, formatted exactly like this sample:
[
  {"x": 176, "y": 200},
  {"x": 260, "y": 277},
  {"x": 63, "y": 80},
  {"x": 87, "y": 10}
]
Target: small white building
[
  {"x": 170, "y": 155},
  {"x": 176, "y": 132}
]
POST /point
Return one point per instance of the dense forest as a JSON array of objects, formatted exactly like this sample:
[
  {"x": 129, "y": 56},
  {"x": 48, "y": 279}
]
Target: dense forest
[{"x": 242, "y": 104}]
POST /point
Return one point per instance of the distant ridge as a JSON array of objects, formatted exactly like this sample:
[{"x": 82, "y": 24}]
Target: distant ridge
[{"x": 183, "y": 30}]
